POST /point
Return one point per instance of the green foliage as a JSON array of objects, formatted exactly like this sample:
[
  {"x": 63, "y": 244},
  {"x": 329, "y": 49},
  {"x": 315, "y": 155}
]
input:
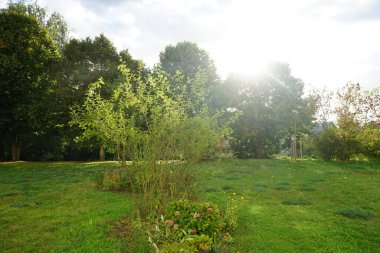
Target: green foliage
[
  {"x": 151, "y": 186},
  {"x": 326, "y": 143},
  {"x": 356, "y": 131},
  {"x": 272, "y": 107},
  {"x": 55, "y": 23},
  {"x": 192, "y": 76},
  {"x": 143, "y": 123},
  {"x": 136, "y": 66},
  {"x": 199, "y": 138},
  {"x": 175, "y": 247},
  {"x": 84, "y": 62},
  {"x": 189, "y": 59},
  {"x": 27, "y": 57},
  {"x": 191, "y": 226},
  {"x": 195, "y": 218},
  {"x": 369, "y": 139},
  {"x": 337, "y": 143},
  {"x": 140, "y": 119}
]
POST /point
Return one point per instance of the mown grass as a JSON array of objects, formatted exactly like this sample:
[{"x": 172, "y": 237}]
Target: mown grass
[
  {"x": 305, "y": 207},
  {"x": 55, "y": 207}
]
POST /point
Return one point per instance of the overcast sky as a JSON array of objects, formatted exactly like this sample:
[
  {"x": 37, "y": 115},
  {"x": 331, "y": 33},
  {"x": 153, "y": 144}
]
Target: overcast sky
[{"x": 326, "y": 42}]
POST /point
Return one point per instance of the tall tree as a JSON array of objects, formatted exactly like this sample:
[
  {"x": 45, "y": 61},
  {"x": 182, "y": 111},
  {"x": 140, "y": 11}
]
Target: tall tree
[
  {"x": 196, "y": 70},
  {"x": 136, "y": 66},
  {"x": 27, "y": 56},
  {"x": 357, "y": 112},
  {"x": 271, "y": 107},
  {"x": 142, "y": 122},
  {"x": 84, "y": 62},
  {"x": 55, "y": 23},
  {"x": 188, "y": 58}
]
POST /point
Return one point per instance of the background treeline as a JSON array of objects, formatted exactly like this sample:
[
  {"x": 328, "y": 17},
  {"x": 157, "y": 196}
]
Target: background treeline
[{"x": 53, "y": 106}]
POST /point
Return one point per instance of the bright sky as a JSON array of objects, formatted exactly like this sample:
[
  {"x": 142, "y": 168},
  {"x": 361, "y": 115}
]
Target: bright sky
[{"x": 325, "y": 42}]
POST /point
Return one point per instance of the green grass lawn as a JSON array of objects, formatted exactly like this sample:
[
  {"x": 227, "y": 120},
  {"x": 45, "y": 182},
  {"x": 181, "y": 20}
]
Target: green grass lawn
[
  {"x": 55, "y": 207},
  {"x": 308, "y": 207}
]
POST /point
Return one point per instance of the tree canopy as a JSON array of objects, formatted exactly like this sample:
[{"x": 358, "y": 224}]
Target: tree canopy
[
  {"x": 55, "y": 23},
  {"x": 196, "y": 70},
  {"x": 27, "y": 57},
  {"x": 270, "y": 107},
  {"x": 48, "y": 80}
]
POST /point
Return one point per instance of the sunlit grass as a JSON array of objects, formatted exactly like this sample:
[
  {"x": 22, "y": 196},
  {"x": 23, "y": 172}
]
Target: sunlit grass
[
  {"x": 274, "y": 217},
  {"x": 55, "y": 207}
]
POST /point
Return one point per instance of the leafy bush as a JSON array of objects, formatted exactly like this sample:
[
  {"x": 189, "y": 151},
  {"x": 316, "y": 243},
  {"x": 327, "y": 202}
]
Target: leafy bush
[
  {"x": 189, "y": 226},
  {"x": 369, "y": 139},
  {"x": 199, "y": 138},
  {"x": 195, "y": 217},
  {"x": 326, "y": 143},
  {"x": 152, "y": 185},
  {"x": 337, "y": 143}
]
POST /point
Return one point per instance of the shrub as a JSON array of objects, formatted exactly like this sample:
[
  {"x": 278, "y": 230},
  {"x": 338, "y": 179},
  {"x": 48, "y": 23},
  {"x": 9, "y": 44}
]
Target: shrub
[
  {"x": 326, "y": 143},
  {"x": 152, "y": 185},
  {"x": 111, "y": 180},
  {"x": 189, "y": 226},
  {"x": 369, "y": 139},
  {"x": 196, "y": 218}
]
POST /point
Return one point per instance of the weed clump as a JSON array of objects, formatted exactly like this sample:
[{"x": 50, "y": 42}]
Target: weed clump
[
  {"x": 296, "y": 202},
  {"x": 283, "y": 186},
  {"x": 227, "y": 187},
  {"x": 355, "y": 212},
  {"x": 211, "y": 189},
  {"x": 260, "y": 187},
  {"x": 153, "y": 185},
  {"x": 307, "y": 188}
]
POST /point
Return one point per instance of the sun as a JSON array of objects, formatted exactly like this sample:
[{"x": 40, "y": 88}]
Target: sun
[{"x": 251, "y": 40}]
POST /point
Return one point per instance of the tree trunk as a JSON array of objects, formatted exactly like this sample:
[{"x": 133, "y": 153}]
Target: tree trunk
[
  {"x": 102, "y": 153},
  {"x": 123, "y": 157},
  {"x": 15, "y": 150},
  {"x": 259, "y": 152}
]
